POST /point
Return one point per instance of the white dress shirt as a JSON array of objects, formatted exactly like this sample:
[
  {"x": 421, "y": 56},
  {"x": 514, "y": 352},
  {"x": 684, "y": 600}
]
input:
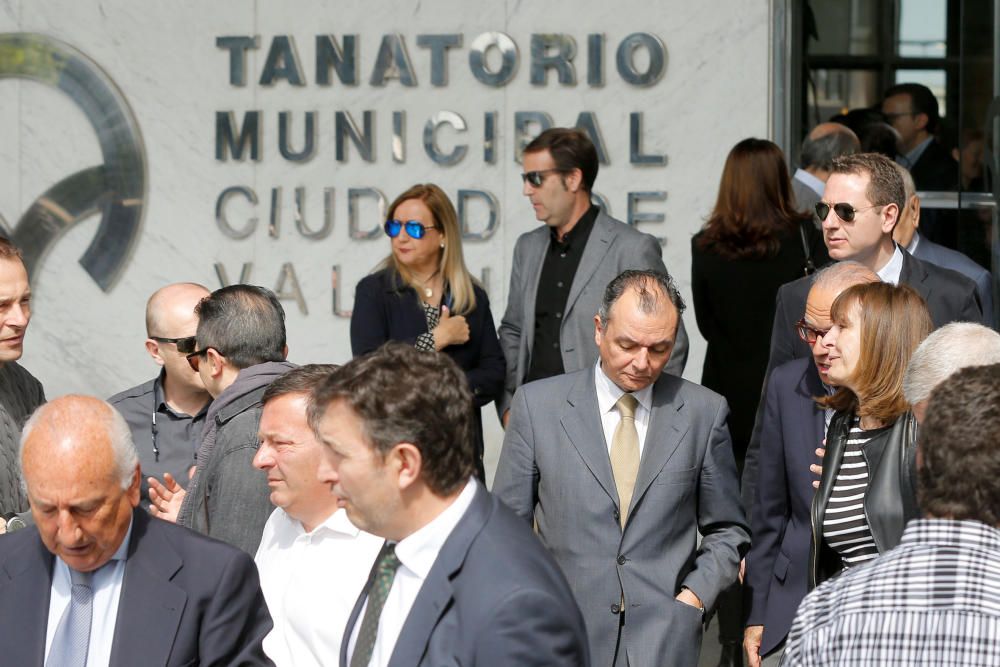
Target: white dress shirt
[
  {"x": 914, "y": 242},
  {"x": 311, "y": 582},
  {"x": 107, "y": 587},
  {"x": 608, "y": 394},
  {"x": 893, "y": 268},
  {"x": 416, "y": 554}
]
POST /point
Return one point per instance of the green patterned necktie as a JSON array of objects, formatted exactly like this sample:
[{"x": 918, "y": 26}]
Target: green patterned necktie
[{"x": 385, "y": 572}]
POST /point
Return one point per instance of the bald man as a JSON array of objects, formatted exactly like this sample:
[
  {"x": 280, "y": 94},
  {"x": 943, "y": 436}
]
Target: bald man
[
  {"x": 166, "y": 414},
  {"x": 97, "y": 581},
  {"x": 825, "y": 142}
]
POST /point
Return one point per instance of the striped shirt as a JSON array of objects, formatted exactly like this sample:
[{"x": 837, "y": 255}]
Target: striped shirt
[
  {"x": 845, "y": 527},
  {"x": 933, "y": 600}
]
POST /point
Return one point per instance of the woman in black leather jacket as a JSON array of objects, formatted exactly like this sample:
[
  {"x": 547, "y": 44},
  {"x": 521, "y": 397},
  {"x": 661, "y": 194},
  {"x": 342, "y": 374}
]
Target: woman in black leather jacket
[{"x": 867, "y": 491}]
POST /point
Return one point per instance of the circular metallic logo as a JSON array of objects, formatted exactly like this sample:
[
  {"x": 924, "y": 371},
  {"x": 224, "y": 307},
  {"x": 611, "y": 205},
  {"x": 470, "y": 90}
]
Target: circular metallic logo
[{"x": 116, "y": 189}]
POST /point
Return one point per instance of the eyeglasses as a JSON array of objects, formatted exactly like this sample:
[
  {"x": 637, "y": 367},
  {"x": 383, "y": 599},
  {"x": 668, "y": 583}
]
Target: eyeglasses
[
  {"x": 808, "y": 332},
  {"x": 893, "y": 116},
  {"x": 535, "y": 178},
  {"x": 194, "y": 359},
  {"x": 845, "y": 212},
  {"x": 414, "y": 229},
  {"x": 184, "y": 345}
]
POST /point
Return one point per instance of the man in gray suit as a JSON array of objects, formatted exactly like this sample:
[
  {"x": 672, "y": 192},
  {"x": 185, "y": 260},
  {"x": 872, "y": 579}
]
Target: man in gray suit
[
  {"x": 97, "y": 580},
  {"x": 906, "y": 235},
  {"x": 560, "y": 269},
  {"x": 825, "y": 142},
  {"x": 460, "y": 580},
  {"x": 621, "y": 467}
]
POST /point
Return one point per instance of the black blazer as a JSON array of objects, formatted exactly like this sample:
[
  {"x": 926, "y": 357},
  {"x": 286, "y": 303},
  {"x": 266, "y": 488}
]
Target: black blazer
[
  {"x": 950, "y": 297},
  {"x": 387, "y": 309},
  {"x": 777, "y": 571},
  {"x": 734, "y": 307},
  {"x": 186, "y": 599}
]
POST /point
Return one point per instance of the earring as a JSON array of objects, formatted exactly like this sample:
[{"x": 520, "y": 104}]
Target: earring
[{"x": 442, "y": 245}]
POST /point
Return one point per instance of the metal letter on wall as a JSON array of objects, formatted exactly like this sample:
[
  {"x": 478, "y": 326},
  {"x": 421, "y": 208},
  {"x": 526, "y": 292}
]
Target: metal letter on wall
[
  {"x": 635, "y": 216},
  {"x": 600, "y": 201},
  {"x": 238, "y": 46},
  {"x": 439, "y": 45},
  {"x": 523, "y": 134},
  {"x": 393, "y": 62},
  {"x": 335, "y": 282},
  {"x": 430, "y": 138},
  {"x": 587, "y": 121},
  {"x": 595, "y": 60},
  {"x": 353, "y": 223},
  {"x": 657, "y": 59},
  {"x": 116, "y": 188},
  {"x": 345, "y": 128},
  {"x": 245, "y": 272},
  {"x": 287, "y": 288},
  {"x": 478, "y": 58},
  {"x": 399, "y": 136},
  {"x": 284, "y": 144},
  {"x": 227, "y": 144},
  {"x": 542, "y": 60},
  {"x": 222, "y": 220},
  {"x": 490, "y": 137},
  {"x": 282, "y": 63},
  {"x": 492, "y": 207},
  {"x": 300, "y": 214},
  {"x": 635, "y": 154},
  {"x": 344, "y": 60}
]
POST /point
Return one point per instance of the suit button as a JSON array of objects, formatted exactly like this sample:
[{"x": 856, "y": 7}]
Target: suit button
[
  {"x": 618, "y": 515},
  {"x": 615, "y": 609},
  {"x": 621, "y": 560}
]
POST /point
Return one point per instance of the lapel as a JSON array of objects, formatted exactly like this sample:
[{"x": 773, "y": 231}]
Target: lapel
[
  {"x": 150, "y": 608},
  {"x": 403, "y": 302},
  {"x": 531, "y": 263},
  {"x": 25, "y": 587},
  {"x": 915, "y": 275},
  {"x": 601, "y": 238},
  {"x": 809, "y": 386},
  {"x": 581, "y": 420},
  {"x": 668, "y": 424},
  {"x": 437, "y": 593}
]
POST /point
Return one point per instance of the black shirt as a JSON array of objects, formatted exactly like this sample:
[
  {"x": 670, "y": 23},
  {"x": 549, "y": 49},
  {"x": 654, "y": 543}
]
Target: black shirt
[
  {"x": 166, "y": 441},
  {"x": 558, "y": 270}
]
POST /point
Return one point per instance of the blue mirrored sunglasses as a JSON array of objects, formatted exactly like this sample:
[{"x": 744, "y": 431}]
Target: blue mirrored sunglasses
[{"x": 414, "y": 229}]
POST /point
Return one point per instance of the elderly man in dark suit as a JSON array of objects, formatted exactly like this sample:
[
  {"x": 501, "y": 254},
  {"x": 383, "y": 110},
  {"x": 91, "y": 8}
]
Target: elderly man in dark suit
[
  {"x": 622, "y": 466},
  {"x": 794, "y": 427},
  {"x": 460, "y": 580},
  {"x": 98, "y": 581},
  {"x": 559, "y": 270}
]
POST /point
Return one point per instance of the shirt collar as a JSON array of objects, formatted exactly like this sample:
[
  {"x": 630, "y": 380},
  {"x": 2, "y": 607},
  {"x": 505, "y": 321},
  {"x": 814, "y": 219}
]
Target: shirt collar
[
  {"x": 121, "y": 553},
  {"x": 892, "y": 270},
  {"x": 968, "y": 533},
  {"x": 335, "y": 523},
  {"x": 911, "y": 158},
  {"x": 608, "y": 392},
  {"x": 160, "y": 404},
  {"x": 914, "y": 242},
  {"x": 418, "y": 551},
  {"x": 580, "y": 230},
  {"x": 813, "y": 183}
]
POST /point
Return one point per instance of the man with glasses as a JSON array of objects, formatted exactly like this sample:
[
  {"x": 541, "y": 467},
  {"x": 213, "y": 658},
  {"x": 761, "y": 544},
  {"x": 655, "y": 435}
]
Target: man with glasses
[
  {"x": 559, "y": 271},
  {"x": 240, "y": 350},
  {"x": 793, "y": 429},
  {"x": 166, "y": 413}
]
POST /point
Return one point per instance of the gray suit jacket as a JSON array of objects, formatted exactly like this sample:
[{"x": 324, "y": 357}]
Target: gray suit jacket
[
  {"x": 555, "y": 469},
  {"x": 805, "y": 197},
  {"x": 929, "y": 251},
  {"x": 611, "y": 248},
  {"x": 185, "y": 600},
  {"x": 494, "y": 597}
]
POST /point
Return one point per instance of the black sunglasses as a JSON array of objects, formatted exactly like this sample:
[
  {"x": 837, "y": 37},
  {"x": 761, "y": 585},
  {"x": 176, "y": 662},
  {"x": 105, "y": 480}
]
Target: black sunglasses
[
  {"x": 194, "y": 359},
  {"x": 535, "y": 178},
  {"x": 184, "y": 345},
  {"x": 845, "y": 212},
  {"x": 808, "y": 332},
  {"x": 414, "y": 229}
]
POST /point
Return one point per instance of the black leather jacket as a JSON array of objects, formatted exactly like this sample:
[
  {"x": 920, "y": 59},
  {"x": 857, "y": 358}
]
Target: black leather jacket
[{"x": 890, "y": 499}]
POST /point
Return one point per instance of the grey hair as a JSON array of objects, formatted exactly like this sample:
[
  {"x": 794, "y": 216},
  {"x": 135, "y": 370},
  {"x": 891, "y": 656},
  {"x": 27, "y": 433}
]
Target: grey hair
[
  {"x": 952, "y": 347},
  {"x": 641, "y": 281},
  {"x": 909, "y": 187},
  {"x": 840, "y": 276},
  {"x": 122, "y": 448},
  {"x": 819, "y": 153}
]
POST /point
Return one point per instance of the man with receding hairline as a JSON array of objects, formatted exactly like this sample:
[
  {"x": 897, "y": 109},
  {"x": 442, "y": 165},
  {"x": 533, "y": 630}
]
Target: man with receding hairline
[
  {"x": 98, "y": 581},
  {"x": 823, "y": 143},
  {"x": 20, "y": 392},
  {"x": 166, "y": 413}
]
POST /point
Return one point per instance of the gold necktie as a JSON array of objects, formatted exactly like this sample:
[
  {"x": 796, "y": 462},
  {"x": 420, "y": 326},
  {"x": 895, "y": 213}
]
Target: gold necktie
[{"x": 625, "y": 453}]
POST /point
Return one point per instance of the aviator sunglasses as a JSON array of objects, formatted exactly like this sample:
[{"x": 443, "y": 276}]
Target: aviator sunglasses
[
  {"x": 844, "y": 211},
  {"x": 536, "y": 178},
  {"x": 414, "y": 229}
]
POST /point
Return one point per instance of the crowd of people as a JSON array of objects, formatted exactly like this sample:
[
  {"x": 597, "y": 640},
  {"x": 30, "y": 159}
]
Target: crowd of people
[{"x": 828, "y": 492}]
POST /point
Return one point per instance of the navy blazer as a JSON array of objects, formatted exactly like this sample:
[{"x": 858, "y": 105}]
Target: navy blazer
[
  {"x": 777, "y": 567},
  {"x": 493, "y": 598},
  {"x": 186, "y": 599},
  {"x": 386, "y": 309}
]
